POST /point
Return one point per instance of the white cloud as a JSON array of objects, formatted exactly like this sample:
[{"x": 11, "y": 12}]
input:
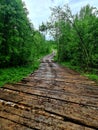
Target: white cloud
[
  {"x": 77, "y": 4},
  {"x": 39, "y": 9}
]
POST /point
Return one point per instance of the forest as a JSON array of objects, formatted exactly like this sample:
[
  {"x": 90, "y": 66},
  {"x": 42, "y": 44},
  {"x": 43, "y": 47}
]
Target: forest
[
  {"x": 21, "y": 45},
  {"x": 74, "y": 38},
  {"x": 76, "y": 35}
]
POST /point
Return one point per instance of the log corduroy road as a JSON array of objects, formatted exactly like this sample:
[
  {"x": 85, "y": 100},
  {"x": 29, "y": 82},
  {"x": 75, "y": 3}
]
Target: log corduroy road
[{"x": 51, "y": 98}]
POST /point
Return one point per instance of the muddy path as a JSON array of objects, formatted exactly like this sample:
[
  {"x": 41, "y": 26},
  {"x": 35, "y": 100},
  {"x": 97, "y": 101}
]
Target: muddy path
[{"x": 51, "y": 98}]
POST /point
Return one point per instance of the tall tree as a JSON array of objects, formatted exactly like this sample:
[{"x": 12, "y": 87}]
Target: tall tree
[
  {"x": 15, "y": 33},
  {"x": 75, "y": 35}
]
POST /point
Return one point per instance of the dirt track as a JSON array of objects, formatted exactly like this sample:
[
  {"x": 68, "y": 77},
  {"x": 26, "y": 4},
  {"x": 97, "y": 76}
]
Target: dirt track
[{"x": 52, "y": 98}]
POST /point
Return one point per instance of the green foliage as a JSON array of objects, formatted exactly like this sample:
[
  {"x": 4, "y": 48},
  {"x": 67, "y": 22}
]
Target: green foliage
[
  {"x": 15, "y": 74},
  {"x": 15, "y": 33},
  {"x": 42, "y": 27},
  {"x": 93, "y": 74},
  {"x": 41, "y": 45},
  {"x": 20, "y": 43},
  {"x": 69, "y": 65},
  {"x": 76, "y": 35}
]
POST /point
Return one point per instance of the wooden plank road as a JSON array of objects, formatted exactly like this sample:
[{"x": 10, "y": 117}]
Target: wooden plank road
[{"x": 51, "y": 98}]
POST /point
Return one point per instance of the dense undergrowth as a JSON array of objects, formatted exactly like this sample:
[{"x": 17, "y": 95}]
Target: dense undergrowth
[
  {"x": 75, "y": 40},
  {"x": 91, "y": 73},
  {"x": 21, "y": 45},
  {"x": 15, "y": 74}
]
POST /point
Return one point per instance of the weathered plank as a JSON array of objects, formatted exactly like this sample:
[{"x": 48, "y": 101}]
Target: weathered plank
[
  {"x": 52, "y": 98},
  {"x": 33, "y": 117}
]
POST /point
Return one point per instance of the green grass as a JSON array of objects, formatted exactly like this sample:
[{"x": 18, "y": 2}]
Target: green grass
[
  {"x": 91, "y": 74},
  {"x": 13, "y": 75},
  {"x": 68, "y": 64}
]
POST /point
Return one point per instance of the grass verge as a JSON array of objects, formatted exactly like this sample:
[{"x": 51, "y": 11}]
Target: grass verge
[
  {"x": 13, "y": 75},
  {"x": 91, "y": 74}
]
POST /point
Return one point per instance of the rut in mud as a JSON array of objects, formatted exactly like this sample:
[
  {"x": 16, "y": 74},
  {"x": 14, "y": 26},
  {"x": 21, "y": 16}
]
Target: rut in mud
[{"x": 52, "y": 98}]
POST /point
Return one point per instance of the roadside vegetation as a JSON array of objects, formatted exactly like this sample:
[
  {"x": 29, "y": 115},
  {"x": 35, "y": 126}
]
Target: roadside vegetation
[
  {"x": 21, "y": 45},
  {"x": 76, "y": 38},
  {"x": 91, "y": 74},
  {"x": 15, "y": 74}
]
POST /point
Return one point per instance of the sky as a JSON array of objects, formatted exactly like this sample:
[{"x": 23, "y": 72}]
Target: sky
[{"x": 39, "y": 10}]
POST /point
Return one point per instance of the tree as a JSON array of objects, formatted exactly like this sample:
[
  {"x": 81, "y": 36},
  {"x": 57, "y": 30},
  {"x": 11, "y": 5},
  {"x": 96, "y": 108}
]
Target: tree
[
  {"x": 83, "y": 22},
  {"x": 75, "y": 35},
  {"x": 15, "y": 34}
]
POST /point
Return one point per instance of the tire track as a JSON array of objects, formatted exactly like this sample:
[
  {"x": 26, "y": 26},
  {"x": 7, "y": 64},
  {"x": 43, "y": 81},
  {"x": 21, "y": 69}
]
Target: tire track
[{"x": 52, "y": 98}]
